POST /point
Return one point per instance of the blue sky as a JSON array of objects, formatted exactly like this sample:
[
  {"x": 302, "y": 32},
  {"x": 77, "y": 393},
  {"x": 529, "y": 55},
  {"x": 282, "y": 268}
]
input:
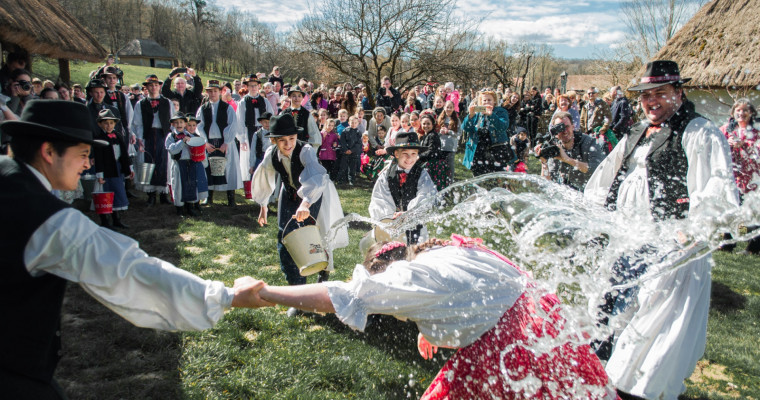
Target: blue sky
[{"x": 576, "y": 29}]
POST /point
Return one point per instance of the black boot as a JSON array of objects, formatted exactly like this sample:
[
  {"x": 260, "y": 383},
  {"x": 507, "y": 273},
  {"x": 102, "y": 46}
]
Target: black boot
[
  {"x": 164, "y": 199},
  {"x": 130, "y": 195},
  {"x": 210, "y": 197},
  {"x": 151, "y": 199},
  {"x": 230, "y": 198},
  {"x": 104, "y": 222},
  {"x": 197, "y": 208},
  {"x": 323, "y": 276},
  {"x": 179, "y": 211},
  {"x": 116, "y": 216},
  {"x": 189, "y": 210}
]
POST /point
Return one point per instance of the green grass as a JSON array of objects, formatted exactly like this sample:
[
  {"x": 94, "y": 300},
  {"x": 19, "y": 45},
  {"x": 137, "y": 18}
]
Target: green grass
[
  {"x": 263, "y": 354},
  {"x": 45, "y": 68}
]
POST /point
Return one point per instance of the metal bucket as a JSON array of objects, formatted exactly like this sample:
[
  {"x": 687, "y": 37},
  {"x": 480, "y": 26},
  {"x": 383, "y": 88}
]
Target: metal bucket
[
  {"x": 306, "y": 248},
  {"x": 144, "y": 171},
  {"x": 217, "y": 165}
]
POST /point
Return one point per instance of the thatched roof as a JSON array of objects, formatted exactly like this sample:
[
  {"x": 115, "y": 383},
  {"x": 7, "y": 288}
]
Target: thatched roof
[
  {"x": 583, "y": 82},
  {"x": 144, "y": 48},
  {"x": 45, "y": 27},
  {"x": 719, "y": 46}
]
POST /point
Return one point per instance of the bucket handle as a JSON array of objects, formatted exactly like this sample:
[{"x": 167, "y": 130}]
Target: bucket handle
[
  {"x": 300, "y": 223},
  {"x": 145, "y": 153}
]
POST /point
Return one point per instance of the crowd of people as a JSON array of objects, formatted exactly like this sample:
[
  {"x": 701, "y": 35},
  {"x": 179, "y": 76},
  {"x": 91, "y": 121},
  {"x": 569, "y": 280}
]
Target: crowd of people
[{"x": 292, "y": 144}]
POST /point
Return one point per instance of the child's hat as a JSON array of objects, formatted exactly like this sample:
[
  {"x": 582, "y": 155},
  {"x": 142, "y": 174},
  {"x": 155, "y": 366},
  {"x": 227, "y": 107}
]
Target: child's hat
[
  {"x": 178, "y": 115},
  {"x": 406, "y": 140},
  {"x": 213, "y": 83},
  {"x": 267, "y": 116},
  {"x": 283, "y": 125},
  {"x": 191, "y": 117},
  {"x": 152, "y": 79},
  {"x": 106, "y": 115}
]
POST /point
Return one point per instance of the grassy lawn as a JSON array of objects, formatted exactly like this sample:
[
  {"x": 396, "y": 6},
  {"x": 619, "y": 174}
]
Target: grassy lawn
[
  {"x": 46, "y": 68},
  {"x": 263, "y": 354}
]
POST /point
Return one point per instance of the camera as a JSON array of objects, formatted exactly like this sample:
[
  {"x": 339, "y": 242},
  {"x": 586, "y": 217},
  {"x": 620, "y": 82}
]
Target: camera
[
  {"x": 24, "y": 85},
  {"x": 557, "y": 129},
  {"x": 479, "y": 109},
  {"x": 178, "y": 70},
  {"x": 549, "y": 147}
]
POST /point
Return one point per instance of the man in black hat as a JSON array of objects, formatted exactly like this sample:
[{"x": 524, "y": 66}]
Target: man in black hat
[
  {"x": 309, "y": 130},
  {"x": 189, "y": 100},
  {"x": 51, "y": 242},
  {"x": 150, "y": 125},
  {"x": 250, "y": 109},
  {"x": 674, "y": 165},
  {"x": 306, "y": 191}
]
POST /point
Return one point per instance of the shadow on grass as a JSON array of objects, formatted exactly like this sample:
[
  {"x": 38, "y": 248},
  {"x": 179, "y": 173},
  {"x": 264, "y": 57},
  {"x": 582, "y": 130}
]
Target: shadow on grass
[{"x": 725, "y": 300}]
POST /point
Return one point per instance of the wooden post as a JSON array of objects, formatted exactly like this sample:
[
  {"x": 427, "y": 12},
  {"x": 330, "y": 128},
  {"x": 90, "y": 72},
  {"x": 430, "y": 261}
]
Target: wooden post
[{"x": 64, "y": 73}]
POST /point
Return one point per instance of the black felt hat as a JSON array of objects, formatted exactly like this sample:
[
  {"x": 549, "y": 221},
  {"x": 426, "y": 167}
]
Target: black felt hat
[
  {"x": 106, "y": 115},
  {"x": 406, "y": 140},
  {"x": 296, "y": 89},
  {"x": 659, "y": 73},
  {"x": 251, "y": 78},
  {"x": 96, "y": 83},
  {"x": 283, "y": 125},
  {"x": 152, "y": 79},
  {"x": 267, "y": 115},
  {"x": 56, "y": 120},
  {"x": 178, "y": 115}
]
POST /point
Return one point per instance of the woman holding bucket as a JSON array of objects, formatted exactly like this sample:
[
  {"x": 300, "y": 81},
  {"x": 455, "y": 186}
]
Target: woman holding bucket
[
  {"x": 111, "y": 165},
  {"x": 306, "y": 192},
  {"x": 187, "y": 175}
]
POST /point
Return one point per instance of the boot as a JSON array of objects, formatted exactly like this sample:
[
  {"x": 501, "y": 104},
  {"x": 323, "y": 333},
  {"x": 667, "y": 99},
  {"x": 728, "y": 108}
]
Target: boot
[
  {"x": 210, "y": 198},
  {"x": 231, "y": 198},
  {"x": 151, "y": 199},
  {"x": 197, "y": 208},
  {"x": 104, "y": 222},
  {"x": 116, "y": 216},
  {"x": 189, "y": 210},
  {"x": 164, "y": 199},
  {"x": 323, "y": 276},
  {"x": 179, "y": 211}
]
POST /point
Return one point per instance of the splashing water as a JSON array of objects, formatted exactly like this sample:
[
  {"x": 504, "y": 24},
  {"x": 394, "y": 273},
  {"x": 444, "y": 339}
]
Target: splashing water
[{"x": 570, "y": 247}]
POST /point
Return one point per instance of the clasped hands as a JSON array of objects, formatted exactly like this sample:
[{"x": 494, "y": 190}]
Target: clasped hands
[{"x": 248, "y": 293}]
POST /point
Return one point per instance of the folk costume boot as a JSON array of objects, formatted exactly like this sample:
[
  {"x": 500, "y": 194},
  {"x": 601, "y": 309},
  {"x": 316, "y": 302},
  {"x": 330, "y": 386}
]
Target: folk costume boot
[
  {"x": 116, "y": 216},
  {"x": 323, "y": 276},
  {"x": 151, "y": 199},
  {"x": 179, "y": 211},
  {"x": 164, "y": 199},
  {"x": 231, "y": 198},
  {"x": 197, "y": 207},
  {"x": 210, "y": 198},
  {"x": 104, "y": 222},
  {"x": 189, "y": 210}
]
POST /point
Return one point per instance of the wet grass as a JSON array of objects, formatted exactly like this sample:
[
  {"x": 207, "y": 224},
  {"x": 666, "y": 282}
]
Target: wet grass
[{"x": 263, "y": 354}]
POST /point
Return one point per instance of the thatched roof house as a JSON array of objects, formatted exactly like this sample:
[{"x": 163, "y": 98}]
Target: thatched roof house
[
  {"x": 45, "y": 27},
  {"x": 146, "y": 52},
  {"x": 583, "y": 82},
  {"x": 719, "y": 46}
]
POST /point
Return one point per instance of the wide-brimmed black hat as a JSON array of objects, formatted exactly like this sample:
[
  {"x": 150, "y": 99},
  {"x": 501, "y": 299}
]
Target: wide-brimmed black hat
[
  {"x": 405, "y": 141},
  {"x": 251, "y": 78},
  {"x": 267, "y": 115},
  {"x": 213, "y": 83},
  {"x": 105, "y": 115},
  {"x": 152, "y": 79},
  {"x": 96, "y": 83},
  {"x": 178, "y": 115},
  {"x": 659, "y": 73},
  {"x": 283, "y": 125},
  {"x": 296, "y": 89},
  {"x": 56, "y": 120},
  {"x": 110, "y": 70}
]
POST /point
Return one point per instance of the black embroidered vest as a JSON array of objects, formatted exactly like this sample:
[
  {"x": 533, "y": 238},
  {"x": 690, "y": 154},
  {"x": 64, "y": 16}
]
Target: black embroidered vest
[
  {"x": 250, "y": 109},
  {"x": 403, "y": 194},
  {"x": 164, "y": 114},
  {"x": 296, "y": 167},
  {"x": 221, "y": 117},
  {"x": 666, "y": 163},
  {"x": 302, "y": 121},
  {"x": 30, "y": 340},
  {"x": 120, "y": 104}
]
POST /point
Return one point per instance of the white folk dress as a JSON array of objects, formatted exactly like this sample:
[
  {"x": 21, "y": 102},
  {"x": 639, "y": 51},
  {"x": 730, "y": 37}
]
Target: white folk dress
[
  {"x": 211, "y": 131},
  {"x": 666, "y": 336}
]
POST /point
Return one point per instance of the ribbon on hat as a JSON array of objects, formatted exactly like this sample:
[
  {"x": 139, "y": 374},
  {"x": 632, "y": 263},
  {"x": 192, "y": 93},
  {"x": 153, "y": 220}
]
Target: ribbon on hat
[{"x": 664, "y": 78}]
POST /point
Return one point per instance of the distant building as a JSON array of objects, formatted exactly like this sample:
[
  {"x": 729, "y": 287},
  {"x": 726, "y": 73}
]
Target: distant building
[{"x": 146, "y": 52}]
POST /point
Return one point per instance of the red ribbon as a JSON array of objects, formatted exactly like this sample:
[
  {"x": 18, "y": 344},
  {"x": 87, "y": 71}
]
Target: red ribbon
[
  {"x": 402, "y": 178},
  {"x": 154, "y": 103},
  {"x": 111, "y": 135}
]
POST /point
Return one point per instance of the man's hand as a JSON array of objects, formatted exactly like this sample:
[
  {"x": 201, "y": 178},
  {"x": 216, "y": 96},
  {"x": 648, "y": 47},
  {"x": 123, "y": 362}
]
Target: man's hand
[
  {"x": 210, "y": 148},
  {"x": 302, "y": 212},
  {"x": 247, "y": 293},
  {"x": 223, "y": 148},
  {"x": 262, "y": 216}
]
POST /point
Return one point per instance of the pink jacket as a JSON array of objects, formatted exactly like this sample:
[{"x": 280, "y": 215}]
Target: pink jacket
[
  {"x": 327, "y": 148},
  {"x": 454, "y": 98}
]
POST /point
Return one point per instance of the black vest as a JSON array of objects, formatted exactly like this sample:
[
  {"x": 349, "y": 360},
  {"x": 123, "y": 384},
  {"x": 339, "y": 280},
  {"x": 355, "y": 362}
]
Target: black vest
[
  {"x": 221, "y": 117},
  {"x": 403, "y": 194},
  {"x": 250, "y": 109},
  {"x": 295, "y": 168},
  {"x": 120, "y": 105},
  {"x": 666, "y": 163},
  {"x": 164, "y": 114},
  {"x": 30, "y": 306},
  {"x": 302, "y": 120}
]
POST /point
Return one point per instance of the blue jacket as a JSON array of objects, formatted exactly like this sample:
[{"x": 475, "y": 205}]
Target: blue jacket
[{"x": 497, "y": 124}]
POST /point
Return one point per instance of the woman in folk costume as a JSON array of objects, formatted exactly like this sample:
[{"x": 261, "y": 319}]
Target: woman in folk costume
[
  {"x": 250, "y": 109},
  {"x": 306, "y": 191},
  {"x": 516, "y": 344},
  {"x": 112, "y": 164},
  {"x": 219, "y": 127},
  {"x": 188, "y": 178}
]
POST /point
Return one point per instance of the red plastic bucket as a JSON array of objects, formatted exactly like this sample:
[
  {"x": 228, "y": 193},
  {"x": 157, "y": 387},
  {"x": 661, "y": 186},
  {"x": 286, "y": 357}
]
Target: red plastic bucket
[
  {"x": 103, "y": 202},
  {"x": 197, "y": 149},
  {"x": 247, "y": 189}
]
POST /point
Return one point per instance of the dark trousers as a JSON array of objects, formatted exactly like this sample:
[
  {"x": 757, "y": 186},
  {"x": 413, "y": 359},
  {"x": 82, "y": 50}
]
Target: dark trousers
[
  {"x": 287, "y": 209},
  {"x": 349, "y": 165},
  {"x": 20, "y": 387}
]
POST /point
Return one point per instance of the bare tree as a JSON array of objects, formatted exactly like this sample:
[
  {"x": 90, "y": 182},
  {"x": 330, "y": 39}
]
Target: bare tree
[{"x": 653, "y": 22}]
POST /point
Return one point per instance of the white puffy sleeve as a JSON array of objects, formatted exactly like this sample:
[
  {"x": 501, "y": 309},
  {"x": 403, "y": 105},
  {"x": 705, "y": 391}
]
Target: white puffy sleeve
[
  {"x": 314, "y": 178},
  {"x": 264, "y": 178},
  {"x": 710, "y": 178},
  {"x": 425, "y": 190},
  {"x": 136, "y": 127},
  {"x": 381, "y": 205},
  {"x": 111, "y": 267}
]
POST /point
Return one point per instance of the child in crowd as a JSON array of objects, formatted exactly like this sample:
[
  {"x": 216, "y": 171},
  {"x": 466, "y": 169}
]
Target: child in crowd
[
  {"x": 259, "y": 142},
  {"x": 402, "y": 185},
  {"x": 362, "y": 122},
  {"x": 187, "y": 177},
  {"x": 111, "y": 165},
  {"x": 328, "y": 148},
  {"x": 351, "y": 144},
  {"x": 395, "y": 126},
  {"x": 365, "y": 152},
  {"x": 435, "y": 157},
  {"x": 342, "y": 122},
  {"x": 306, "y": 191},
  {"x": 521, "y": 145},
  {"x": 378, "y": 157}
]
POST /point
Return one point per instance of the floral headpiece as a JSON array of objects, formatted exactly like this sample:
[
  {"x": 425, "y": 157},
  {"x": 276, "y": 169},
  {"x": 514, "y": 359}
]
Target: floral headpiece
[{"x": 388, "y": 247}]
